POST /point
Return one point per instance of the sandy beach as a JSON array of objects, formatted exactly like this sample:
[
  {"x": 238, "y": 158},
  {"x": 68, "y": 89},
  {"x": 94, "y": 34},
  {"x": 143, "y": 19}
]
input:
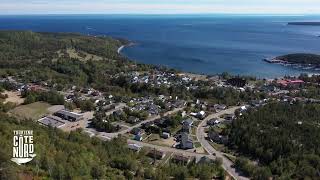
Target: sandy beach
[{"x": 120, "y": 49}]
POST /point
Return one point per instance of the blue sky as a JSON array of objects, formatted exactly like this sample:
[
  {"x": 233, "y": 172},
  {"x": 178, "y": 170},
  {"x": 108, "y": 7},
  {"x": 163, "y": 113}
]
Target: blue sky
[{"x": 159, "y": 6}]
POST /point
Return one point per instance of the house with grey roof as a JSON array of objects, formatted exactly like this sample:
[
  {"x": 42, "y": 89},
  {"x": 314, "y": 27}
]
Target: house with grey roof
[
  {"x": 51, "y": 122},
  {"x": 70, "y": 116},
  {"x": 186, "y": 125},
  {"x": 185, "y": 141}
]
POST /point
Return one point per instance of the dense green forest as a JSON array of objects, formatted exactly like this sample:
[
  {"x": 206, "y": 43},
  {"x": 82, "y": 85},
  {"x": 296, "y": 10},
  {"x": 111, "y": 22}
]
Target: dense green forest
[
  {"x": 301, "y": 58},
  {"x": 284, "y": 139},
  {"x": 63, "y": 60},
  {"x": 52, "y": 97},
  {"x": 27, "y": 45}
]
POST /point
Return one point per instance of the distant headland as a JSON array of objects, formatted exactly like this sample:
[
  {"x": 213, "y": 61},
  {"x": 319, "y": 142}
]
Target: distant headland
[
  {"x": 301, "y": 60},
  {"x": 305, "y": 23}
]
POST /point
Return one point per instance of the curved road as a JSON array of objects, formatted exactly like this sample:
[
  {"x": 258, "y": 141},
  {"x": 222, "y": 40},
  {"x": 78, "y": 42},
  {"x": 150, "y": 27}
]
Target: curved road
[{"x": 226, "y": 163}]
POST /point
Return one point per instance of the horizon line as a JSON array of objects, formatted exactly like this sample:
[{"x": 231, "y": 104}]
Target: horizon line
[{"x": 225, "y": 13}]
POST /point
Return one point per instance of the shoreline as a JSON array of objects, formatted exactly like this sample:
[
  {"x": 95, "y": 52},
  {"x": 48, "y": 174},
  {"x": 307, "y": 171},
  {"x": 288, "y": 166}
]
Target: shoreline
[
  {"x": 305, "y": 67},
  {"x": 120, "y": 49},
  {"x": 124, "y": 46},
  {"x": 301, "y": 66}
]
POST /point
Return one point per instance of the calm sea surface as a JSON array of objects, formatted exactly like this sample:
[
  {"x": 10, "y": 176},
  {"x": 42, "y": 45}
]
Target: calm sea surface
[{"x": 206, "y": 44}]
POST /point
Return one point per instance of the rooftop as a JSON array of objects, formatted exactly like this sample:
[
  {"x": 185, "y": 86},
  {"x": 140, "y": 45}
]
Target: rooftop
[
  {"x": 51, "y": 121},
  {"x": 70, "y": 114}
]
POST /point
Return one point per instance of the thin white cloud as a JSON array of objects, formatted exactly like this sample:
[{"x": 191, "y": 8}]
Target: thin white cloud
[{"x": 164, "y": 6}]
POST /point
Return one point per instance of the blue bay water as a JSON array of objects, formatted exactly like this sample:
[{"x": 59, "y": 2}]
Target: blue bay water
[{"x": 207, "y": 44}]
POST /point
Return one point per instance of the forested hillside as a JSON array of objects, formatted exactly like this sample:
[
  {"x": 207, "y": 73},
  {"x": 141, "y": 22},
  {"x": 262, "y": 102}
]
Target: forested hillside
[
  {"x": 62, "y": 59},
  {"x": 282, "y": 138},
  {"x": 27, "y": 45}
]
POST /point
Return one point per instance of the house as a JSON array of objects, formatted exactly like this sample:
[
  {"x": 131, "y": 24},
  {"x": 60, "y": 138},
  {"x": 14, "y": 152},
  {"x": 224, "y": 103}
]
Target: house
[
  {"x": 183, "y": 114},
  {"x": 153, "y": 109},
  {"x": 138, "y": 137},
  {"x": 186, "y": 125},
  {"x": 243, "y": 108},
  {"x": 188, "y": 122},
  {"x": 117, "y": 113},
  {"x": 157, "y": 154},
  {"x": 134, "y": 147},
  {"x": 52, "y": 122},
  {"x": 132, "y": 120},
  {"x": 205, "y": 160},
  {"x": 256, "y": 103},
  {"x": 185, "y": 141},
  {"x": 213, "y": 122},
  {"x": 137, "y": 131},
  {"x": 215, "y": 137},
  {"x": 147, "y": 125},
  {"x": 211, "y": 108},
  {"x": 269, "y": 88},
  {"x": 165, "y": 135},
  {"x": 238, "y": 82},
  {"x": 181, "y": 158},
  {"x": 220, "y": 107},
  {"x": 201, "y": 115},
  {"x": 70, "y": 116},
  {"x": 229, "y": 117},
  {"x": 162, "y": 122},
  {"x": 290, "y": 83}
]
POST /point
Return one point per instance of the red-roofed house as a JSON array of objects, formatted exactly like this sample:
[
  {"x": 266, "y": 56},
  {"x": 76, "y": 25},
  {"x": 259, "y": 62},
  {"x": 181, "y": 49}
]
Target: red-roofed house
[{"x": 290, "y": 83}]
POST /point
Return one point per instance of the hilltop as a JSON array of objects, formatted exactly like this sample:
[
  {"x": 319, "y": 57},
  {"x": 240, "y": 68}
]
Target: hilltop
[{"x": 27, "y": 45}]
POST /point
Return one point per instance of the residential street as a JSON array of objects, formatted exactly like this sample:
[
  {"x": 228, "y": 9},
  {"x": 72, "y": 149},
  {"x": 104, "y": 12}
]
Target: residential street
[
  {"x": 153, "y": 118},
  {"x": 170, "y": 150},
  {"x": 213, "y": 153},
  {"x": 226, "y": 164}
]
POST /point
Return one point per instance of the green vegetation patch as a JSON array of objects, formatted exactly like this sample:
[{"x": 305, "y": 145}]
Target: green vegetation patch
[
  {"x": 283, "y": 138},
  {"x": 31, "y": 111}
]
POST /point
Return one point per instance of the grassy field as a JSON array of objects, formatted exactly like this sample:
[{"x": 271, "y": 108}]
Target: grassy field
[
  {"x": 156, "y": 140},
  {"x": 31, "y": 111},
  {"x": 216, "y": 146},
  {"x": 197, "y": 145}
]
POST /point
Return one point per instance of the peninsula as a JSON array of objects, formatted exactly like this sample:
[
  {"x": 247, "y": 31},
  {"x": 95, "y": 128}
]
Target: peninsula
[
  {"x": 305, "y": 23},
  {"x": 298, "y": 58}
]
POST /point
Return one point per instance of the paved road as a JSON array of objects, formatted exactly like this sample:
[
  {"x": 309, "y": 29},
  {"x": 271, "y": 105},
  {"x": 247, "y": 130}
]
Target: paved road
[
  {"x": 153, "y": 118},
  {"x": 170, "y": 150},
  {"x": 226, "y": 164}
]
